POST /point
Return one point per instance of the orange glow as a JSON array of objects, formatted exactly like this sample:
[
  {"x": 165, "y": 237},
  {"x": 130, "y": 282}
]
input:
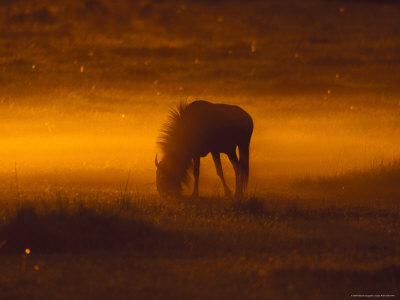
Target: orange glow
[
  {"x": 284, "y": 144},
  {"x": 323, "y": 100}
]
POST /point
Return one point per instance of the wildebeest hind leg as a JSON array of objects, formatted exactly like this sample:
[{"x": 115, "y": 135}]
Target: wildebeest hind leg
[
  {"x": 218, "y": 166},
  {"x": 236, "y": 166},
  {"x": 196, "y": 172}
]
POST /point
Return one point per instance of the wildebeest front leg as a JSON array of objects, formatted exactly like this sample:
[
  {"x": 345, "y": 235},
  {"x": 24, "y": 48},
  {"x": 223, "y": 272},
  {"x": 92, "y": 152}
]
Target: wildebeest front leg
[
  {"x": 236, "y": 166},
  {"x": 196, "y": 172},
  {"x": 218, "y": 166}
]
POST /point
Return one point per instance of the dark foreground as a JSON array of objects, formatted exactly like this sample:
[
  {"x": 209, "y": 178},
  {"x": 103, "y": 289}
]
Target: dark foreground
[{"x": 139, "y": 247}]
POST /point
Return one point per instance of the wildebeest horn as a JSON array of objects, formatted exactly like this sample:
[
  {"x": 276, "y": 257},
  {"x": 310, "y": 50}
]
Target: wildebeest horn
[{"x": 156, "y": 161}]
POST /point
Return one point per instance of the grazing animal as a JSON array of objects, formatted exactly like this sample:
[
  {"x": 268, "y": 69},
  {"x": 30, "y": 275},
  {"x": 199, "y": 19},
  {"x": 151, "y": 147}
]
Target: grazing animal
[{"x": 193, "y": 131}]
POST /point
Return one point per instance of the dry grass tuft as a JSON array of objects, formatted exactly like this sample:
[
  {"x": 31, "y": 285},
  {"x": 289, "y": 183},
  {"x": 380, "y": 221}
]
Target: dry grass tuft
[
  {"x": 80, "y": 230},
  {"x": 378, "y": 185},
  {"x": 251, "y": 205}
]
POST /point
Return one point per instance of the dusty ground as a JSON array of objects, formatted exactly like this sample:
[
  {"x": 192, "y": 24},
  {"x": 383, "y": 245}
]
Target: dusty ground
[{"x": 141, "y": 247}]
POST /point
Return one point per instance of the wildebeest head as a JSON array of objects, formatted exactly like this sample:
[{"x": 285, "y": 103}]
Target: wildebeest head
[{"x": 167, "y": 183}]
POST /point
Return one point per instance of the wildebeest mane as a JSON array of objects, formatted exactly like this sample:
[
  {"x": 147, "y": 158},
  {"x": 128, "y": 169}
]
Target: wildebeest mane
[
  {"x": 171, "y": 130},
  {"x": 171, "y": 142}
]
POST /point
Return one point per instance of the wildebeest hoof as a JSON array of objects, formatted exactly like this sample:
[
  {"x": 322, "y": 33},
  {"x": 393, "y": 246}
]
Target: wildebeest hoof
[
  {"x": 238, "y": 195},
  {"x": 228, "y": 193}
]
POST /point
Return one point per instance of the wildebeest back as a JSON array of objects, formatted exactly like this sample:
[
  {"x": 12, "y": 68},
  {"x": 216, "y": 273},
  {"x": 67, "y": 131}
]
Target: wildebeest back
[{"x": 212, "y": 127}]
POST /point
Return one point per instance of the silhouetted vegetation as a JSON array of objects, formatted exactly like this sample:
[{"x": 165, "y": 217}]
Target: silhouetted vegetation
[
  {"x": 80, "y": 230},
  {"x": 379, "y": 183},
  {"x": 284, "y": 246},
  {"x": 252, "y": 205}
]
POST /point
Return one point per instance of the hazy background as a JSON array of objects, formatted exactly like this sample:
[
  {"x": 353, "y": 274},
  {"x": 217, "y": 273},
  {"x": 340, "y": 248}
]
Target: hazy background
[{"x": 86, "y": 85}]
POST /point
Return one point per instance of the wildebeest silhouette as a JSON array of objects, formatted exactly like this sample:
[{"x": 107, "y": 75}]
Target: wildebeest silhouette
[{"x": 193, "y": 131}]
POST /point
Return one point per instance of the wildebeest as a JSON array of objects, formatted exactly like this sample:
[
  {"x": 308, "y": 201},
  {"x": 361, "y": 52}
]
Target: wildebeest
[{"x": 193, "y": 131}]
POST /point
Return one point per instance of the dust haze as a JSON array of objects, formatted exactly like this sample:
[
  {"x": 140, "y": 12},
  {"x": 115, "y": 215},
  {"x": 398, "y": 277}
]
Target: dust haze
[{"x": 86, "y": 86}]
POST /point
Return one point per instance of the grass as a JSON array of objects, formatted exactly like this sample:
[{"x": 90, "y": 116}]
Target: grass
[
  {"x": 152, "y": 38},
  {"x": 377, "y": 185},
  {"x": 81, "y": 230},
  {"x": 210, "y": 247}
]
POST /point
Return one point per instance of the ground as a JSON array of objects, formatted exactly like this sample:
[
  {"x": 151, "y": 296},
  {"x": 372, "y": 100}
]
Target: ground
[{"x": 140, "y": 246}]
